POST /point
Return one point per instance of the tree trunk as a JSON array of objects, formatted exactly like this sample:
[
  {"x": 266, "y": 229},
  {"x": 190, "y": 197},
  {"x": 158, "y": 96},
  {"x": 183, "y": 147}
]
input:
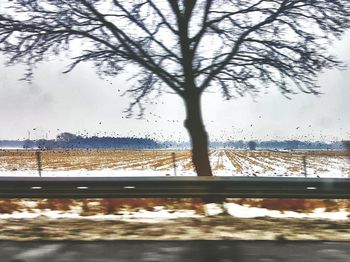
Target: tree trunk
[{"x": 198, "y": 135}]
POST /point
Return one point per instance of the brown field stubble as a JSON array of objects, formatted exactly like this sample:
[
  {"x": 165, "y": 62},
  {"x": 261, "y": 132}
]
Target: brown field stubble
[{"x": 241, "y": 160}]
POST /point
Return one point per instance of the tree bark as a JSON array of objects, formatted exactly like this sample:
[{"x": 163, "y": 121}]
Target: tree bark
[{"x": 199, "y": 138}]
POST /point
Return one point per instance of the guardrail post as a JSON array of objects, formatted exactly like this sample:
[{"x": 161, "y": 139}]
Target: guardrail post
[
  {"x": 38, "y": 161},
  {"x": 174, "y": 162},
  {"x": 304, "y": 166}
]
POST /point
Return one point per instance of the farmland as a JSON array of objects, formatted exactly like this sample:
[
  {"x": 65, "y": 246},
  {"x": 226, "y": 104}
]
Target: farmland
[
  {"x": 165, "y": 218},
  {"x": 226, "y": 162}
]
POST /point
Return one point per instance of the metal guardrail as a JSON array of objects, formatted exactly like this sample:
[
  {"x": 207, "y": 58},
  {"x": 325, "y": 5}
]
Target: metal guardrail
[{"x": 174, "y": 187}]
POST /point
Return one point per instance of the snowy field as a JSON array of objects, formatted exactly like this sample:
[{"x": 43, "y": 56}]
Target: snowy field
[
  {"x": 245, "y": 219},
  {"x": 173, "y": 163}
]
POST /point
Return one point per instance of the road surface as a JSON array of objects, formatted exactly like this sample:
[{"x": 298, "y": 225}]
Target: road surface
[{"x": 174, "y": 251}]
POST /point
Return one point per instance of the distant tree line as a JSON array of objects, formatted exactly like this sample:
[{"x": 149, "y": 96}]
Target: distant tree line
[
  {"x": 71, "y": 141},
  {"x": 68, "y": 140},
  {"x": 280, "y": 145},
  {"x": 296, "y": 144},
  {"x": 10, "y": 143}
]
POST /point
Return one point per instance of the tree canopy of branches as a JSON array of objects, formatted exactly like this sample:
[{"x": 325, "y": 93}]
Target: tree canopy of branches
[{"x": 186, "y": 47}]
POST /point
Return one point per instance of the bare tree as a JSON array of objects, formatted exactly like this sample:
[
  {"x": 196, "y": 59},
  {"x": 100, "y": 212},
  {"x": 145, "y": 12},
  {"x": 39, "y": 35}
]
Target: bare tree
[
  {"x": 252, "y": 145},
  {"x": 236, "y": 47}
]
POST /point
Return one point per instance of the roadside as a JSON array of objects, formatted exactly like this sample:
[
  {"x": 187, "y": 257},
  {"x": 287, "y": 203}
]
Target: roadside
[{"x": 221, "y": 227}]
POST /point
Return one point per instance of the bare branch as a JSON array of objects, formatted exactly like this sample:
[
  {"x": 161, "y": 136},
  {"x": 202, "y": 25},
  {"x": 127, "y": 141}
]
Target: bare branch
[{"x": 188, "y": 46}]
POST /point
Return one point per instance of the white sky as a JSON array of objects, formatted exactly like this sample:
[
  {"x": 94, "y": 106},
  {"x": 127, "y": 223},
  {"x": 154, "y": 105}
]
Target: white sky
[{"x": 80, "y": 100}]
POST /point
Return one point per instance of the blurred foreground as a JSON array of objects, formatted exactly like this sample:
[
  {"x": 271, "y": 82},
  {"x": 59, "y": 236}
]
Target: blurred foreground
[
  {"x": 184, "y": 251},
  {"x": 174, "y": 219},
  {"x": 203, "y": 228}
]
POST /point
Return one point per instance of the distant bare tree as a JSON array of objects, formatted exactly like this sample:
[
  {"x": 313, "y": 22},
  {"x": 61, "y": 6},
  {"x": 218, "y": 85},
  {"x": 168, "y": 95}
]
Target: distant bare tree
[
  {"x": 183, "y": 46},
  {"x": 66, "y": 137},
  {"x": 347, "y": 147},
  {"x": 252, "y": 145}
]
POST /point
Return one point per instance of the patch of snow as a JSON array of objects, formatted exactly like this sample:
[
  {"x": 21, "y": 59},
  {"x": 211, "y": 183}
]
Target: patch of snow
[
  {"x": 107, "y": 172},
  {"x": 253, "y": 212},
  {"x": 122, "y": 215},
  {"x": 159, "y": 213},
  {"x": 213, "y": 209}
]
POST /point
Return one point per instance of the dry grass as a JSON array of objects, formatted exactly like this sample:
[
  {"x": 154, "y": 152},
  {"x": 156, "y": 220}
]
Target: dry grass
[
  {"x": 88, "y": 207},
  {"x": 296, "y": 205},
  {"x": 89, "y": 159},
  {"x": 215, "y": 228},
  {"x": 206, "y": 228}
]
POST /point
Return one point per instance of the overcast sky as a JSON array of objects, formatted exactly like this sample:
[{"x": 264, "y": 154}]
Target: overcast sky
[{"x": 81, "y": 102}]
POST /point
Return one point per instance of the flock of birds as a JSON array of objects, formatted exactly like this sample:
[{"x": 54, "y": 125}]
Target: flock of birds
[
  {"x": 234, "y": 132},
  {"x": 231, "y": 133}
]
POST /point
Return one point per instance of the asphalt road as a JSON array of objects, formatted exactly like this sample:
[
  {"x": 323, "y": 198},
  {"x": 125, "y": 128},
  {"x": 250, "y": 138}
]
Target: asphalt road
[{"x": 171, "y": 251}]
